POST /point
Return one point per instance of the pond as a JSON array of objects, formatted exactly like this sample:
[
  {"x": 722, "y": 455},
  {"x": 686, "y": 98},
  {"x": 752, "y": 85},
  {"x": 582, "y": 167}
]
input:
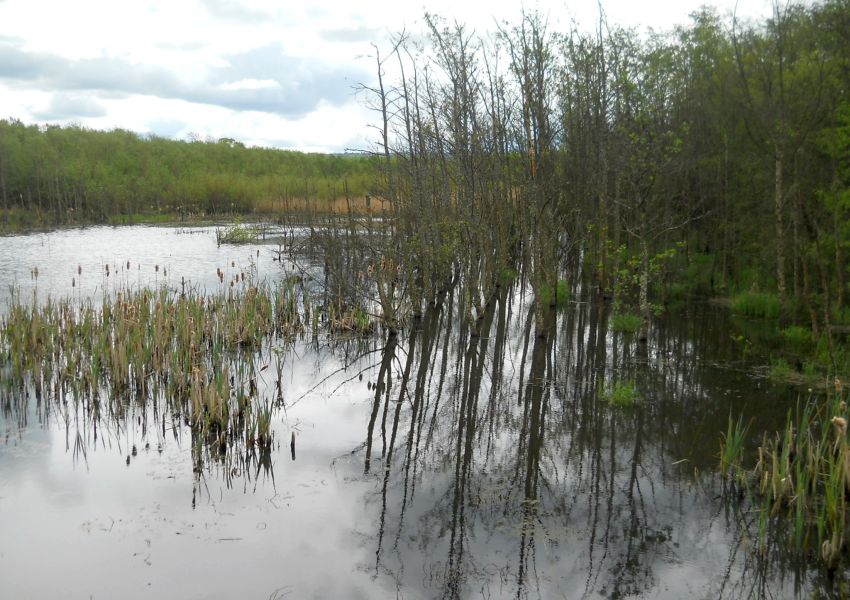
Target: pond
[{"x": 434, "y": 463}]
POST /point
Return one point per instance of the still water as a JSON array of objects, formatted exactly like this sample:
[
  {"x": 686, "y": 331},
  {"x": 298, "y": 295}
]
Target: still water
[{"x": 434, "y": 464}]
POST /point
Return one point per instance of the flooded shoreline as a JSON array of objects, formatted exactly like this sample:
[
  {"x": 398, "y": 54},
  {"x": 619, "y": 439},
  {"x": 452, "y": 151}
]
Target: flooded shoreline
[{"x": 438, "y": 462}]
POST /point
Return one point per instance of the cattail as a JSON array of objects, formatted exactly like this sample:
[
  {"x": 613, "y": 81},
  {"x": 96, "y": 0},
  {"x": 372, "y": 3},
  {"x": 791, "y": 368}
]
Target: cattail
[{"x": 79, "y": 269}]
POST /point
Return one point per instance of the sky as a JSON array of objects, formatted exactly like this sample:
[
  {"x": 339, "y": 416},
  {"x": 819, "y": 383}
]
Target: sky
[{"x": 270, "y": 73}]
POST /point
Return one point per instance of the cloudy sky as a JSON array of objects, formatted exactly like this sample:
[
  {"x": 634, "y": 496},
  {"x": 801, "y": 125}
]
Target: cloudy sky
[{"x": 266, "y": 72}]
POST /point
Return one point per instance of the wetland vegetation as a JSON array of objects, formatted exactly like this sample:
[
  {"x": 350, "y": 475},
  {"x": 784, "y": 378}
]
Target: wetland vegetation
[{"x": 495, "y": 329}]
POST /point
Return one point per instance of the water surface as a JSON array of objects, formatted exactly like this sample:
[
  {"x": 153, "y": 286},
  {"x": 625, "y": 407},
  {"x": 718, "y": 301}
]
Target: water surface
[{"x": 432, "y": 464}]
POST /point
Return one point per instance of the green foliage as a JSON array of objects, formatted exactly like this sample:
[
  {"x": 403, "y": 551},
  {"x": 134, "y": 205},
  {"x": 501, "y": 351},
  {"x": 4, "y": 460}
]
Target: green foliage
[
  {"x": 841, "y": 316},
  {"x": 797, "y": 339},
  {"x": 631, "y": 269},
  {"x": 626, "y": 322},
  {"x": 72, "y": 174},
  {"x": 780, "y": 370},
  {"x": 756, "y": 304},
  {"x": 561, "y": 295},
  {"x": 799, "y": 483},
  {"x": 238, "y": 234},
  {"x": 623, "y": 394},
  {"x": 732, "y": 447},
  {"x": 691, "y": 275}
]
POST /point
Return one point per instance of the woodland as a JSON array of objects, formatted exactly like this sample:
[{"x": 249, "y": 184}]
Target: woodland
[{"x": 712, "y": 159}]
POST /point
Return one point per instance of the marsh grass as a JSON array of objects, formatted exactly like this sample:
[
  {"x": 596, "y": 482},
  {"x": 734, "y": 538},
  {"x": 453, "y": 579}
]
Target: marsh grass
[
  {"x": 761, "y": 305},
  {"x": 801, "y": 480},
  {"x": 797, "y": 339},
  {"x": 350, "y": 320},
  {"x": 626, "y": 322},
  {"x": 622, "y": 394},
  {"x": 197, "y": 353},
  {"x": 239, "y": 233},
  {"x": 732, "y": 448}
]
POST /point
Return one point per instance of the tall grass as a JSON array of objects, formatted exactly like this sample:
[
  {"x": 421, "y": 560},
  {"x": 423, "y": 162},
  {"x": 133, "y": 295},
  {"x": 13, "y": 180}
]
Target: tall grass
[
  {"x": 801, "y": 480},
  {"x": 756, "y": 304},
  {"x": 732, "y": 447},
  {"x": 196, "y": 352},
  {"x": 626, "y": 322},
  {"x": 622, "y": 394}
]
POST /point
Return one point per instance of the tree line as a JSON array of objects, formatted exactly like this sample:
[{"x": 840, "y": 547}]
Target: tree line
[
  {"x": 712, "y": 158},
  {"x": 52, "y": 174}
]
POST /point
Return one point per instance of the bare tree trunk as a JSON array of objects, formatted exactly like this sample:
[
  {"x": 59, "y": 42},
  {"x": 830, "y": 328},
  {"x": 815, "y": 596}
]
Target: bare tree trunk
[
  {"x": 644, "y": 279},
  {"x": 779, "y": 213}
]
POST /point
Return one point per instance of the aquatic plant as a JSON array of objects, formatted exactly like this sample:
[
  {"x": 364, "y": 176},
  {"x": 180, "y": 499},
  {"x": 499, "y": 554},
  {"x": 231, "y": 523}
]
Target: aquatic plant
[
  {"x": 801, "y": 479},
  {"x": 238, "y": 233},
  {"x": 797, "y": 339},
  {"x": 756, "y": 304},
  {"x": 626, "y": 322},
  {"x": 732, "y": 447},
  {"x": 780, "y": 370},
  {"x": 197, "y": 352},
  {"x": 622, "y": 394}
]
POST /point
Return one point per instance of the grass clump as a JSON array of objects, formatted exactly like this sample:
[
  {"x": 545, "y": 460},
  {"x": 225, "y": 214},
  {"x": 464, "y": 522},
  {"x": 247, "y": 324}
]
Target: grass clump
[
  {"x": 623, "y": 394},
  {"x": 798, "y": 339},
  {"x": 626, "y": 322},
  {"x": 196, "y": 352},
  {"x": 762, "y": 305},
  {"x": 801, "y": 480},
  {"x": 238, "y": 234},
  {"x": 350, "y": 320},
  {"x": 732, "y": 448},
  {"x": 781, "y": 370}
]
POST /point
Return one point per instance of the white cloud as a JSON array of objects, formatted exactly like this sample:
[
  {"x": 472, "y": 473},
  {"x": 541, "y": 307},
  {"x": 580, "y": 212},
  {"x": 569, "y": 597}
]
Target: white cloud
[
  {"x": 251, "y": 84},
  {"x": 263, "y": 71},
  {"x": 65, "y": 107}
]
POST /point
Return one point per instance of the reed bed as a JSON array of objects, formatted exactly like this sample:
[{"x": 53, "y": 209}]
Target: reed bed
[
  {"x": 197, "y": 354},
  {"x": 800, "y": 484}
]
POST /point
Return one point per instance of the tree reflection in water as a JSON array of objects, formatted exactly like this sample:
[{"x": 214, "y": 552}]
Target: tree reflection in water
[{"x": 505, "y": 472}]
